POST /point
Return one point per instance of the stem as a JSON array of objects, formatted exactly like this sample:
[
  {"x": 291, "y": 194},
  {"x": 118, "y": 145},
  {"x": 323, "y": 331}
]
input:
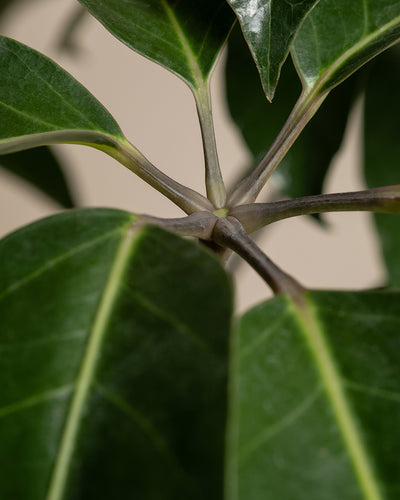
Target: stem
[
  {"x": 215, "y": 187},
  {"x": 256, "y": 215},
  {"x": 248, "y": 190},
  {"x": 187, "y": 199},
  {"x": 229, "y": 233},
  {"x": 199, "y": 225}
]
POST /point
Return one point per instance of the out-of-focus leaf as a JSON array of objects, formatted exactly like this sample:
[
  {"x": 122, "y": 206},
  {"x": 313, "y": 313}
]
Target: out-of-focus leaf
[
  {"x": 340, "y": 36},
  {"x": 269, "y": 27},
  {"x": 40, "y": 104},
  {"x": 316, "y": 403},
  {"x": 382, "y": 148},
  {"x": 41, "y": 168},
  {"x": 305, "y": 165},
  {"x": 73, "y": 23},
  {"x": 184, "y": 37},
  {"x": 113, "y": 369}
]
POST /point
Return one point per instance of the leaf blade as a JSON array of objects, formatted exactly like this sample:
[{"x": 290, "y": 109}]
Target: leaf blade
[
  {"x": 184, "y": 37},
  {"x": 313, "y": 364},
  {"x": 270, "y": 28},
  {"x": 360, "y": 32},
  {"x": 134, "y": 389},
  {"x": 40, "y": 103}
]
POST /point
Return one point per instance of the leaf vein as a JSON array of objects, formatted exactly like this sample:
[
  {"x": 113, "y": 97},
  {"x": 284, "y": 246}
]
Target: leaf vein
[
  {"x": 47, "y": 84},
  {"x": 35, "y": 400},
  {"x": 86, "y": 374},
  {"x": 54, "y": 262},
  {"x": 170, "y": 319},
  {"x": 253, "y": 444},
  {"x": 140, "y": 420},
  {"x": 187, "y": 49}
]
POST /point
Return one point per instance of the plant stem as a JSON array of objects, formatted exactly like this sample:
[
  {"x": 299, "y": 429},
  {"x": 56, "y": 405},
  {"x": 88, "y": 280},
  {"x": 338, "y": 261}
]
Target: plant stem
[
  {"x": 199, "y": 225},
  {"x": 256, "y": 215},
  {"x": 248, "y": 190},
  {"x": 215, "y": 187},
  {"x": 187, "y": 199},
  {"x": 229, "y": 233}
]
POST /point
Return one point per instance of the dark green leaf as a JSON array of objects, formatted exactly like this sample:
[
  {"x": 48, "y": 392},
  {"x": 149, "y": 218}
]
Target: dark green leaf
[
  {"x": 305, "y": 165},
  {"x": 317, "y": 399},
  {"x": 382, "y": 148},
  {"x": 269, "y": 27},
  {"x": 113, "y": 367},
  {"x": 340, "y": 36},
  {"x": 40, "y": 167},
  {"x": 40, "y": 104},
  {"x": 183, "y": 36}
]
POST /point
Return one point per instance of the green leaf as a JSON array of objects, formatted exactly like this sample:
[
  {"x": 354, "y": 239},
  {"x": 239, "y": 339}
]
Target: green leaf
[
  {"x": 316, "y": 399},
  {"x": 113, "y": 366},
  {"x": 40, "y": 103},
  {"x": 184, "y": 37},
  {"x": 340, "y": 36},
  {"x": 41, "y": 168},
  {"x": 382, "y": 148},
  {"x": 269, "y": 28},
  {"x": 306, "y": 164}
]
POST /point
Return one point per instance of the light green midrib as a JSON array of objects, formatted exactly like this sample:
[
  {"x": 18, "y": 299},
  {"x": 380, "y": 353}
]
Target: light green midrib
[
  {"x": 231, "y": 478},
  {"x": 198, "y": 77},
  {"x": 334, "y": 389},
  {"x": 87, "y": 371},
  {"x": 315, "y": 84}
]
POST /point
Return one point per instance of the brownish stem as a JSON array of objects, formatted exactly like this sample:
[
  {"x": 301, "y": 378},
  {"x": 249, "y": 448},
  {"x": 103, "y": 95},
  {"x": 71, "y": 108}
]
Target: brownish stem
[
  {"x": 229, "y": 232},
  {"x": 256, "y": 215}
]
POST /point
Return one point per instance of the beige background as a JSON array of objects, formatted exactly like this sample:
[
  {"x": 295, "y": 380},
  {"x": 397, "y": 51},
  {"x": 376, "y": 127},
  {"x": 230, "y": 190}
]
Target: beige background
[{"x": 156, "y": 112}]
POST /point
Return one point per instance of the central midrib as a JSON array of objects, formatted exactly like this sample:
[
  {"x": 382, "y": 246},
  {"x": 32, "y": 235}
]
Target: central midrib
[
  {"x": 88, "y": 367},
  {"x": 333, "y": 384},
  {"x": 194, "y": 66}
]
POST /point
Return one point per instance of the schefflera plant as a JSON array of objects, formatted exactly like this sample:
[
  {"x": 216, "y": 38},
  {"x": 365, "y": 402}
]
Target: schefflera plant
[{"x": 122, "y": 372}]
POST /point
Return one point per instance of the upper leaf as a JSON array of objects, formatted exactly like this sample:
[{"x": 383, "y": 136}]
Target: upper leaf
[
  {"x": 382, "y": 148},
  {"x": 316, "y": 401},
  {"x": 269, "y": 27},
  {"x": 40, "y": 103},
  {"x": 183, "y": 36},
  {"x": 339, "y": 36},
  {"x": 114, "y": 362}
]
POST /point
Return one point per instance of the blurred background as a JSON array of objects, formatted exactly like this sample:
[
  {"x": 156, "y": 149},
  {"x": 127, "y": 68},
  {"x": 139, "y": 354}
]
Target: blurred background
[{"x": 157, "y": 113}]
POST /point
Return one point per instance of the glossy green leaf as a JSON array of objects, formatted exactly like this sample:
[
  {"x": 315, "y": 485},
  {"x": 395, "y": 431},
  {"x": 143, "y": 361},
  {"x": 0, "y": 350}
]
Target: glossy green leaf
[
  {"x": 340, "y": 36},
  {"x": 317, "y": 400},
  {"x": 269, "y": 27},
  {"x": 184, "y": 37},
  {"x": 113, "y": 367},
  {"x": 41, "y": 168},
  {"x": 40, "y": 104},
  {"x": 306, "y": 164},
  {"x": 382, "y": 148}
]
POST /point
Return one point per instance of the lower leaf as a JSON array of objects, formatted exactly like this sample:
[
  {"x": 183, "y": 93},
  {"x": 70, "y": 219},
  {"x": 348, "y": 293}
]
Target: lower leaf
[
  {"x": 316, "y": 405},
  {"x": 113, "y": 367}
]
